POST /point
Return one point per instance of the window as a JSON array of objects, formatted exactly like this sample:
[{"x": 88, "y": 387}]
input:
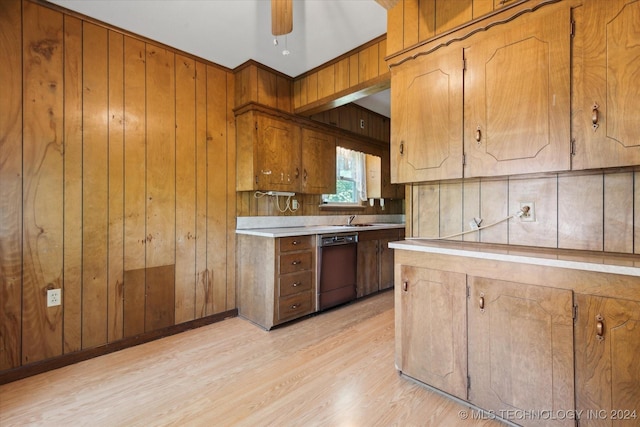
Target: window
[{"x": 351, "y": 178}]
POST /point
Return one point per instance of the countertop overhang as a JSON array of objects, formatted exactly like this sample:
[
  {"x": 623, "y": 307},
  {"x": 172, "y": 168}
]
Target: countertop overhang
[
  {"x": 562, "y": 258},
  {"x": 274, "y": 232}
]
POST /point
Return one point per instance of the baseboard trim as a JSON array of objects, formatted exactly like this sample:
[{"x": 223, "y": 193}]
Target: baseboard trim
[{"x": 78, "y": 356}]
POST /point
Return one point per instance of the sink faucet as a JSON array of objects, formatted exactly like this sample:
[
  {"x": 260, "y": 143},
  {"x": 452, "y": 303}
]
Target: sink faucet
[{"x": 350, "y": 220}]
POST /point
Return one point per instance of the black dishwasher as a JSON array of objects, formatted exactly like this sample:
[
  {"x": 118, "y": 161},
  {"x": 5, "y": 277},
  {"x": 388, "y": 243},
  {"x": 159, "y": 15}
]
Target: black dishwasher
[{"x": 337, "y": 262}]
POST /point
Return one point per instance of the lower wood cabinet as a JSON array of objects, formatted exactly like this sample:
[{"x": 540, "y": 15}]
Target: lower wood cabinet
[
  {"x": 276, "y": 279},
  {"x": 607, "y": 340},
  {"x": 375, "y": 260},
  {"x": 535, "y": 345},
  {"x": 520, "y": 350},
  {"x": 431, "y": 328}
]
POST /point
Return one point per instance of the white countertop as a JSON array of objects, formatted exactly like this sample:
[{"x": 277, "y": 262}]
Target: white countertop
[
  {"x": 315, "y": 229},
  {"x": 572, "y": 259}
]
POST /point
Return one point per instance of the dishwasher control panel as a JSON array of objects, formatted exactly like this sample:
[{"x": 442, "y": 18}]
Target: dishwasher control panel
[{"x": 338, "y": 239}]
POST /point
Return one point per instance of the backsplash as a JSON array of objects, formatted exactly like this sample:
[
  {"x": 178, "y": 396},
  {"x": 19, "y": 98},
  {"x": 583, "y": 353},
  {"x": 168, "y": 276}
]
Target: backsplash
[{"x": 598, "y": 211}]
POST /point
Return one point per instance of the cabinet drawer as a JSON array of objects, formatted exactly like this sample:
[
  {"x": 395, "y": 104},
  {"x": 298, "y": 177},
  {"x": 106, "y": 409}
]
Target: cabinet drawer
[
  {"x": 294, "y": 306},
  {"x": 295, "y": 282},
  {"x": 290, "y": 263},
  {"x": 296, "y": 243}
]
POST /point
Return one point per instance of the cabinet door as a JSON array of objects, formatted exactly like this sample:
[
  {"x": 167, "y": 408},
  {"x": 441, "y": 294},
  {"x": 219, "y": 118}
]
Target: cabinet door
[
  {"x": 426, "y": 111},
  {"x": 431, "y": 312},
  {"x": 516, "y": 96},
  {"x": 608, "y": 361},
  {"x": 607, "y": 69},
  {"x": 318, "y": 162},
  {"x": 385, "y": 263},
  {"x": 278, "y": 155},
  {"x": 367, "y": 282},
  {"x": 520, "y": 350}
]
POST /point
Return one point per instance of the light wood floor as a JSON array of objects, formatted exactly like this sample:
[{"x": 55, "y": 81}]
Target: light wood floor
[{"x": 334, "y": 369}]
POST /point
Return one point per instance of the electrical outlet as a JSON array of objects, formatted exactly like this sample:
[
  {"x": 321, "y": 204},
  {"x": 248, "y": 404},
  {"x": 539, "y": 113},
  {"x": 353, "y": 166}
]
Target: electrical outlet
[
  {"x": 529, "y": 209},
  {"x": 294, "y": 204},
  {"x": 54, "y": 297}
]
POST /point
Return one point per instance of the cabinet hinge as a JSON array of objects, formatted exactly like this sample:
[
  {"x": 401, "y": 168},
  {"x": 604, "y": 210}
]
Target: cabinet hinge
[
  {"x": 464, "y": 64},
  {"x": 575, "y": 313},
  {"x": 468, "y": 382},
  {"x": 468, "y": 291},
  {"x": 464, "y": 159},
  {"x": 572, "y": 29},
  {"x": 256, "y": 125}
]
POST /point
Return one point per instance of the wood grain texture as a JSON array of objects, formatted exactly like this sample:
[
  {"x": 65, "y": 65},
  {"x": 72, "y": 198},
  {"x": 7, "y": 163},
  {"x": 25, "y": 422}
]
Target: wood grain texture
[
  {"x": 544, "y": 193},
  {"x": 95, "y": 189},
  {"x": 450, "y": 14},
  {"x": 11, "y": 213},
  {"x": 618, "y": 212},
  {"x": 286, "y": 377},
  {"x": 582, "y": 194},
  {"x": 451, "y": 199},
  {"x": 636, "y": 210},
  {"x": 202, "y": 273},
  {"x": 43, "y": 181}
]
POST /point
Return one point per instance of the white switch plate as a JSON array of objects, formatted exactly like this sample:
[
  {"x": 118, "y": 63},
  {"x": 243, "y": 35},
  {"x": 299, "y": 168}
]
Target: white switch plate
[{"x": 54, "y": 297}]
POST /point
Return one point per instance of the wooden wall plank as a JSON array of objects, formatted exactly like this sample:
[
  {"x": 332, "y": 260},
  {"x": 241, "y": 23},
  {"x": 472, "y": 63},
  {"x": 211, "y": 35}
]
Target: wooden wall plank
[
  {"x": 72, "y": 184},
  {"x": 10, "y": 184},
  {"x": 95, "y": 174},
  {"x": 382, "y": 52},
  {"x": 583, "y": 194},
  {"x": 470, "y": 207},
  {"x": 185, "y": 189},
  {"x": 543, "y": 192},
  {"x": 450, "y": 14},
  {"x": 341, "y": 79},
  {"x": 230, "y": 224},
  {"x": 368, "y": 63},
  {"x": 217, "y": 188},
  {"x": 115, "y": 274},
  {"x": 326, "y": 82},
  {"x": 451, "y": 209},
  {"x": 411, "y": 13},
  {"x": 618, "y": 212},
  {"x": 267, "y": 88},
  {"x": 395, "y": 24},
  {"x": 160, "y": 156},
  {"x": 636, "y": 221},
  {"x": 312, "y": 87},
  {"x": 426, "y": 20},
  {"x": 481, "y": 7},
  {"x": 202, "y": 274},
  {"x": 426, "y": 203},
  {"x": 134, "y": 185},
  {"x": 284, "y": 92},
  {"x": 43, "y": 181},
  {"x": 354, "y": 71},
  {"x": 494, "y": 199}
]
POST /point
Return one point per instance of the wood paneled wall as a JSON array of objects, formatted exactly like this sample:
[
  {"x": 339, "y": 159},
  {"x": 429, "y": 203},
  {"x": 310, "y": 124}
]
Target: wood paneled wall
[
  {"x": 117, "y": 169},
  {"x": 348, "y": 117},
  {"x": 357, "y": 73},
  {"x": 595, "y": 211},
  {"x": 260, "y": 84}
]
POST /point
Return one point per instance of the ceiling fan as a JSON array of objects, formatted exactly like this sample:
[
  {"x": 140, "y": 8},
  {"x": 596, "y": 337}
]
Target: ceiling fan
[{"x": 282, "y": 15}]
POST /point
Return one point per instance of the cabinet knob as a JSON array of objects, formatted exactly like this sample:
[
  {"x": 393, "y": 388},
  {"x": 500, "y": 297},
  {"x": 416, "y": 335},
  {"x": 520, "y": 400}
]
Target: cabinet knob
[
  {"x": 295, "y": 262},
  {"x": 294, "y": 306},
  {"x": 405, "y": 286},
  {"x": 595, "y": 116},
  {"x": 295, "y": 242},
  {"x": 296, "y": 284},
  {"x": 297, "y": 172},
  {"x": 304, "y": 174}
]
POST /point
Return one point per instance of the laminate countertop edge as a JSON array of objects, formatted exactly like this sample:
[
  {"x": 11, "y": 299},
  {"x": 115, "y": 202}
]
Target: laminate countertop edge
[
  {"x": 572, "y": 259},
  {"x": 311, "y": 230}
]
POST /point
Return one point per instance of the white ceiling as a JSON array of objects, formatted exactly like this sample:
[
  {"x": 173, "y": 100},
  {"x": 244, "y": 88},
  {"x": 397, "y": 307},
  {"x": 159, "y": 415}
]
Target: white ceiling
[{"x": 230, "y": 32}]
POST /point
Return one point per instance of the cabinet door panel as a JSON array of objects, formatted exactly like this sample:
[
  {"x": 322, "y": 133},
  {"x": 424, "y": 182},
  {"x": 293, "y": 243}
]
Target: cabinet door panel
[
  {"x": 433, "y": 318},
  {"x": 318, "y": 163},
  {"x": 608, "y": 363},
  {"x": 367, "y": 267},
  {"x": 608, "y": 52},
  {"x": 516, "y": 101},
  {"x": 520, "y": 349},
  {"x": 386, "y": 264},
  {"x": 426, "y": 106},
  {"x": 278, "y": 155}
]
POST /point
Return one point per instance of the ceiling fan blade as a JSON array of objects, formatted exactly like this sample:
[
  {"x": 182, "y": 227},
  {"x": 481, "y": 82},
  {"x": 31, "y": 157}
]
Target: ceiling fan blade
[
  {"x": 387, "y": 4},
  {"x": 281, "y": 17}
]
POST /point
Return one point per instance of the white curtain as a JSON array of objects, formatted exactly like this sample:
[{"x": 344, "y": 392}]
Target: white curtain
[{"x": 358, "y": 169}]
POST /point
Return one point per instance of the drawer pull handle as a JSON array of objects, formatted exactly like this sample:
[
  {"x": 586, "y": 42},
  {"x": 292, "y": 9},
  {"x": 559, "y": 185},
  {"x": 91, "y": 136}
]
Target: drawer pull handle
[
  {"x": 402, "y": 148},
  {"x": 296, "y": 262},
  {"x": 295, "y": 242},
  {"x": 294, "y": 306},
  {"x": 405, "y": 286},
  {"x": 599, "y": 327},
  {"x": 296, "y": 284},
  {"x": 478, "y": 134},
  {"x": 481, "y": 303}
]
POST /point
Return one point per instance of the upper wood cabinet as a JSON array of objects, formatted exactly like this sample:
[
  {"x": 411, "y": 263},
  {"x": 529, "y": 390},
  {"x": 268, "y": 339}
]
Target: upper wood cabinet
[
  {"x": 275, "y": 153},
  {"x": 606, "y": 119},
  {"x": 509, "y": 85},
  {"x": 517, "y": 96},
  {"x": 426, "y": 117}
]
